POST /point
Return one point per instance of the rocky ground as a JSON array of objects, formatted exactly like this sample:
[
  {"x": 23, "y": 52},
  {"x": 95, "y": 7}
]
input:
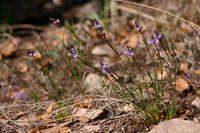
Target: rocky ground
[{"x": 86, "y": 104}]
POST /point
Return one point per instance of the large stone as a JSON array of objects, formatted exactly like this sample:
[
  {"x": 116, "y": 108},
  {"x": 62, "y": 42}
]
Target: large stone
[
  {"x": 85, "y": 115},
  {"x": 90, "y": 128},
  {"x": 93, "y": 82},
  {"x": 8, "y": 47},
  {"x": 176, "y": 126},
  {"x": 102, "y": 50}
]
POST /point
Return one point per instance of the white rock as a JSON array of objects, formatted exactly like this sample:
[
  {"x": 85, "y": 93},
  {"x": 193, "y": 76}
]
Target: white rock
[
  {"x": 90, "y": 128},
  {"x": 93, "y": 82},
  {"x": 102, "y": 50},
  {"x": 196, "y": 102},
  {"x": 84, "y": 115},
  {"x": 176, "y": 126}
]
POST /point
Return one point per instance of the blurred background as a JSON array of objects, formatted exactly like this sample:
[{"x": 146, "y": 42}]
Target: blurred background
[{"x": 39, "y": 11}]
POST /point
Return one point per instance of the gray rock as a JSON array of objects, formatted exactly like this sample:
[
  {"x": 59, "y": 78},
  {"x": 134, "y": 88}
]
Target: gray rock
[
  {"x": 93, "y": 82},
  {"x": 90, "y": 128},
  {"x": 102, "y": 50},
  {"x": 85, "y": 115},
  {"x": 176, "y": 126}
]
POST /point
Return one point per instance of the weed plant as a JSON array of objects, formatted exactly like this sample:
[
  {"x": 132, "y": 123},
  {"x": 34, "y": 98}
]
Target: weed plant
[
  {"x": 151, "y": 106},
  {"x": 146, "y": 94}
]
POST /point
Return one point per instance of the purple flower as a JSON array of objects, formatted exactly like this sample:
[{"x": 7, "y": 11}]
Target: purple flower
[
  {"x": 159, "y": 35},
  {"x": 152, "y": 41},
  {"x": 139, "y": 28},
  {"x": 129, "y": 51},
  {"x": 157, "y": 40},
  {"x": 156, "y": 37},
  {"x": 98, "y": 25},
  {"x": 106, "y": 68},
  {"x": 188, "y": 74},
  {"x": 195, "y": 33},
  {"x": 55, "y": 21},
  {"x": 73, "y": 53},
  {"x": 31, "y": 53}
]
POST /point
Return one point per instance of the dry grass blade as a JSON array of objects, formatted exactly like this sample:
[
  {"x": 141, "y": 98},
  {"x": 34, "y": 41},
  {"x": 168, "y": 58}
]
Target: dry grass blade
[{"x": 162, "y": 11}]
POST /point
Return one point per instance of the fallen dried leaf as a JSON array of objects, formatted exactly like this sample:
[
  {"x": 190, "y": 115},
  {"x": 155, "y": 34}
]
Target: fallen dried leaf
[
  {"x": 49, "y": 109},
  {"x": 197, "y": 72},
  {"x": 133, "y": 41},
  {"x": 84, "y": 103},
  {"x": 22, "y": 67},
  {"x": 183, "y": 67},
  {"x": 181, "y": 84},
  {"x": 8, "y": 48},
  {"x": 35, "y": 130},
  {"x": 56, "y": 130}
]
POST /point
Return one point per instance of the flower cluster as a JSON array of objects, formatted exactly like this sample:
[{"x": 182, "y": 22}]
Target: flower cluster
[
  {"x": 106, "y": 68},
  {"x": 98, "y": 26},
  {"x": 129, "y": 51},
  {"x": 73, "y": 53},
  {"x": 156, "y": 37}
]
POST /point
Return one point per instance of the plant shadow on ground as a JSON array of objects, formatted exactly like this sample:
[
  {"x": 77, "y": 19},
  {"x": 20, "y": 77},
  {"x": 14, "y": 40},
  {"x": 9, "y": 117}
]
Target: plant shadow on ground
[{"x": 150, "y": 75}]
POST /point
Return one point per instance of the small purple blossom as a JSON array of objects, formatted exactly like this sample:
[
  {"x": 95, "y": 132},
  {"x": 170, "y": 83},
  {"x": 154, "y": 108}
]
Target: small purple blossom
[
  {"x": 188, "y": 74},
  {"x": 73, "y": 53},
  {"x": 156, "y": 37},
  {"x": 106, "y": 68},
  {"x": 55, "y": 21},
  {"x": 139, "y": 28},
  {"x": 129, "y": 51},
  {"x": 31, "y": 53},
  {"x": 195, "y": 33},
  {"x": 152, "y": 41},
  {"x": 98, "y": 25}
]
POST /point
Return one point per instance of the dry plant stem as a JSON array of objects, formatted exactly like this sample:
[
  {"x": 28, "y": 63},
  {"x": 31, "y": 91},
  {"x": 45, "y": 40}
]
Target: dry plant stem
[
  {"x": 129, "y": 9},
  {"x": 73, "y": 105},
  {"x": 23, "y": 26},
  {"x": 160, "y": 10},
  {"x": 110, "y": 45},
  {"x": 113, "y": 14},
  {"x": 7, "y": 117}
]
